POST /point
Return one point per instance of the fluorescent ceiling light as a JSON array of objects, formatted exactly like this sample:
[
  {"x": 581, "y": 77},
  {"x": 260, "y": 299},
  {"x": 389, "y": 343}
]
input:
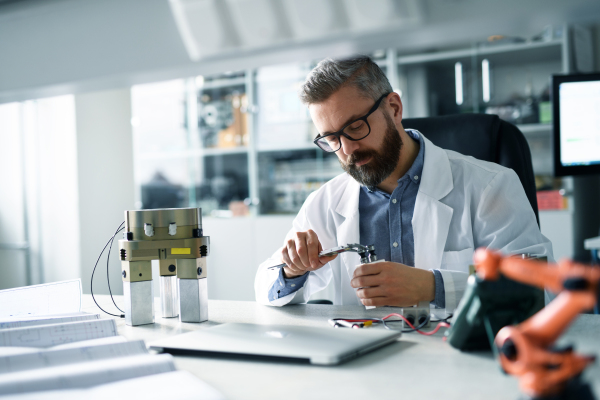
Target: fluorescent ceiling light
[
  {"x": 458, "y": 77},
  {"x": 485, "y": 77}
]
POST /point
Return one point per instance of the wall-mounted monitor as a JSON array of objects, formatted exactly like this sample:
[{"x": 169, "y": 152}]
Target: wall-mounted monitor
[{"x": 576, "y": 118}]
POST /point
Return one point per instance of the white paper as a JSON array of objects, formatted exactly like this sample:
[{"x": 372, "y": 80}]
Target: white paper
[
  {"x": 46, "y": 320},
  {"x": 10, "y": 351},
  {"x": 52, "y": 335},
  {"x": 50, "y": 298},
  {"x": 56, "y": 357},
  {"x": 85, "y": 375},
  {"x": 87, "y": 343},
  {"x": 180, "y": 385}
]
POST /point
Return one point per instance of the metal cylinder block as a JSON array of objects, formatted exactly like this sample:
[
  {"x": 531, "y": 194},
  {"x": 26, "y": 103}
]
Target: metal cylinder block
[
  {"x": 139, "y": 302},
  {"x": 193, "y": 300},
  {"x": 169, "y": 296}
]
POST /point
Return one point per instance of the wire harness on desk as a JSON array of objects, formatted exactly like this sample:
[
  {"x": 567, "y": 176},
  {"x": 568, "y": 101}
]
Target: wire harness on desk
[{"x": 365, "y": 322}]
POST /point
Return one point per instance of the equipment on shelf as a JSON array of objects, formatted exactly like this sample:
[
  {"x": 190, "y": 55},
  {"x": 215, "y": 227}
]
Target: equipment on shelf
[
  {"x": 527, "y": 350},
  {"x": 174, "y": 237},
  {"x": 576, "y": 134}
]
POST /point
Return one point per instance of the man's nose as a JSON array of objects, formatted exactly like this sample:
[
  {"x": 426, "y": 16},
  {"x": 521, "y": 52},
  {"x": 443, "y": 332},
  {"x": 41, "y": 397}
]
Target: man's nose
[{"x": 348, "y": 146}]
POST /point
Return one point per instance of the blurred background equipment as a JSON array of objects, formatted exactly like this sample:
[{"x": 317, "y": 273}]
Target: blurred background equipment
[
  {"x": 576, "y": 128},
  {"x": 576, "y": 124}
]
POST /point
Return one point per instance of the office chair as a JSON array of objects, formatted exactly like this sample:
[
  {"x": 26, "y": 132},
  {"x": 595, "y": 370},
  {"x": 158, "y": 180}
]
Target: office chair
[{"x": 485, "y": 137}]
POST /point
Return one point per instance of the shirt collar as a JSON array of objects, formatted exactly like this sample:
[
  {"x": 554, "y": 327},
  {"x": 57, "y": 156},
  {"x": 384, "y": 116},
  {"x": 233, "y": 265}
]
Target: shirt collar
[{"x": 415, "y": 170}]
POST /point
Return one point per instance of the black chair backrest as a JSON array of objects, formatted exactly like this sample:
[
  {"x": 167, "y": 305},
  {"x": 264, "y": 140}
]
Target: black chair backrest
[{"x": 485, "y": 137}]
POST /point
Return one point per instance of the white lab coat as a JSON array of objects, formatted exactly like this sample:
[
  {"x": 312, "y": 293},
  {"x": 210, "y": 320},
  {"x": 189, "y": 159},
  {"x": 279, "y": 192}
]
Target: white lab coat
[{"x": 462, "y": 204}]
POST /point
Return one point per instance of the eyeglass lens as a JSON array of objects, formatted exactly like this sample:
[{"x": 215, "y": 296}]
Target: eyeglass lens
[{"x": 357, "y": 130}]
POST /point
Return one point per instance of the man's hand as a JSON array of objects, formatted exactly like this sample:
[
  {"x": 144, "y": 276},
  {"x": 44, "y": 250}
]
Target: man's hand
[
  {"x": 393, "y": 284},
  {"x": 301, "y": 254}
]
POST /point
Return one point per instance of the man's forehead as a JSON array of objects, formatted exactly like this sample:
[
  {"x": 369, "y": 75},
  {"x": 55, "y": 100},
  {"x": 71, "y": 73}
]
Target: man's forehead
[{"x": 341, "y": 107}]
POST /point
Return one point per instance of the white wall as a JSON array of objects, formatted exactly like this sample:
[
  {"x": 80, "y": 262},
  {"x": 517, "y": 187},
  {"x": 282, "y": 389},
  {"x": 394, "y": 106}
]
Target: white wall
[
  {"x": 237, "y": 247},
  {"x": 53, "y": 202},
  {"x": 12, "y": 262},
  {"x": 38, "y": 161},
  {"x": 105, "y": 166}
]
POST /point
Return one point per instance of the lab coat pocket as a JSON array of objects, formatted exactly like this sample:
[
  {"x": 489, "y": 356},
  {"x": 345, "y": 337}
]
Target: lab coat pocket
[{"x": 457, "y": 260}]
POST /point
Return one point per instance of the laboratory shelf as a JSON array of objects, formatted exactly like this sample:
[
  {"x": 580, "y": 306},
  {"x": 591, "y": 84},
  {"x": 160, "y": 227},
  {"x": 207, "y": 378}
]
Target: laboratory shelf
[
  {"x": 218, "y": 151},
  {"x": 531, "y": 50},
  {"x": 160, "y": 155},
  {"x": 265, "y": 148},
  {"x": 223, "y": 83}
]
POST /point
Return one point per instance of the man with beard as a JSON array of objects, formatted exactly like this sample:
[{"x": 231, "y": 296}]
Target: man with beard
[{"x": 424, "y": 208}]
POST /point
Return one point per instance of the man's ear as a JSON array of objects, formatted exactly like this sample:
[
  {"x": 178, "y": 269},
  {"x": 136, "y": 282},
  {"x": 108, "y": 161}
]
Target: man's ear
[{"x": 395, "y": 104}]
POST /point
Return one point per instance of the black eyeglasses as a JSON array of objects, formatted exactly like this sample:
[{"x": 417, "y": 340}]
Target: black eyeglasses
[{"x": 355, "y": 131}]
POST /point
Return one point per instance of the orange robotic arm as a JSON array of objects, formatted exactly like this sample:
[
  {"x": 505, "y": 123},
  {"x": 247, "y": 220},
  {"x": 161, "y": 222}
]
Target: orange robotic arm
[{"x": 525, "y": 349}]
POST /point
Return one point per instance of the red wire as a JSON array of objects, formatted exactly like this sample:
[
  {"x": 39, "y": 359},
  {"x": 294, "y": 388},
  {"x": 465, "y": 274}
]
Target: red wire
[{"x": 429, "y": 333}]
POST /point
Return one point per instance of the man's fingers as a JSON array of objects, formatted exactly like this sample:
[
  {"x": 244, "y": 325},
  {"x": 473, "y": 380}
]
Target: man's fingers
[
  {"x": 302, "y": 250},
  {"x": 325, "y": 260},
  {"x": 290, "y": 257},
  {"x": 368, "y": 269},
  {"x": 366, "y": 281},
  {"x": 293, "y": 256},
  {"x": 313, "y": 245},
  {"x": 375, "y": 301},
  {"x": 370, "y": 293},
  {"x": 290, "y": 270}
]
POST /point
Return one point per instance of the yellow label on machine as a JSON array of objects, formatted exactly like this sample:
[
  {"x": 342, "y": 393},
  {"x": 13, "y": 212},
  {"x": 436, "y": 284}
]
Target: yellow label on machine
[{"x": 181, "y": 251}]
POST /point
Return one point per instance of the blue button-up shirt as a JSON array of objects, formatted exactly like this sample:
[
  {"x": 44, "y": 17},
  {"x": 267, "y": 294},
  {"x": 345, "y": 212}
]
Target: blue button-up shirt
[{"x": 392, "y": 215}]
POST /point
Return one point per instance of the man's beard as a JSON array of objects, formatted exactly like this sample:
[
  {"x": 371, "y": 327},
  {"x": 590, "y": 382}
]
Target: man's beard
[{"x": 383, "y": 162}]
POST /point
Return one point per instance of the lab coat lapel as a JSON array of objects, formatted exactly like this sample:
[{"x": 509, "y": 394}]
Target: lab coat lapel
[
  {"x": 348, "y": 231},
  {"x": 431, "y": 218}
]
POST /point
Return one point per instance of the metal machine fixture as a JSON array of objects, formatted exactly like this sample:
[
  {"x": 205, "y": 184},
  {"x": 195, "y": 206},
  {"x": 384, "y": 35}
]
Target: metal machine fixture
[{"x": 174, "y": 237}]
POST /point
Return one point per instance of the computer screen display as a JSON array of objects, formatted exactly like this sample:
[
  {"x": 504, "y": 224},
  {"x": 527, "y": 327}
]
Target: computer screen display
[{"x": 576, "y": 113}]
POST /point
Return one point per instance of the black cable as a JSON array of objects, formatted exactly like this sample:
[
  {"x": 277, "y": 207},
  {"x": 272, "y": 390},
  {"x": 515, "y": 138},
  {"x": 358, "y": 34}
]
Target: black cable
[
  {"x": 94, "y": 270},
  {"x": 107, "y": 262},
  {"x": 442, "y": 319}
]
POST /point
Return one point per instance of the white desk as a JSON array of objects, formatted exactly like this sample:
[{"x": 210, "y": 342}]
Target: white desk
[{"x": 415, "y": 367}]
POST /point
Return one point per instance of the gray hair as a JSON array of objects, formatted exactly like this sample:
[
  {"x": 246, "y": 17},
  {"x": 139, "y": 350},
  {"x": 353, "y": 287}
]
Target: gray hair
[{"x": 330, "y": 75}]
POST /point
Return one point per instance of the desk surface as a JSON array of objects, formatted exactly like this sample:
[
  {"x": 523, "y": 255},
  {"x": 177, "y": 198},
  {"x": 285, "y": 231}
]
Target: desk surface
[{"x": 415, "y": 366}]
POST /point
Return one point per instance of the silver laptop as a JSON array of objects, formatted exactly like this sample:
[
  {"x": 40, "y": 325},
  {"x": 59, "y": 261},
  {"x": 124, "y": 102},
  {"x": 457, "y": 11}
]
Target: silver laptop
[{"x": 323, "y": 346}]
